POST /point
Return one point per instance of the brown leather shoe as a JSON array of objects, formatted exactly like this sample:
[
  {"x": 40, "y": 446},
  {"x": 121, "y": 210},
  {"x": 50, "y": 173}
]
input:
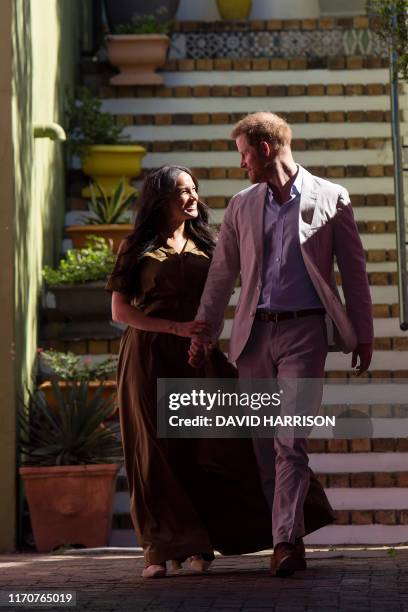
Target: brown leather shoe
[
  {"x": 286, "y": 560},
  {"x": 300, "y": 549}
]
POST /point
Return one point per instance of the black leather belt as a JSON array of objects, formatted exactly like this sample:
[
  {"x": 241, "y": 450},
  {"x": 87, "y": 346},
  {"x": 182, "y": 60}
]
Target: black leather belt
[{"x": 268, "y": 315}]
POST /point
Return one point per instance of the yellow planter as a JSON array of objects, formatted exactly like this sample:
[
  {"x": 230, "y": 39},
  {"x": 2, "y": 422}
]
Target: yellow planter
[
  {"x": 107, "y": 164},
  {"x": 234, "y": 10}
]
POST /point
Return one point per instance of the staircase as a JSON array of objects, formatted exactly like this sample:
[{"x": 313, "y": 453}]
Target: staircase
[{"x": 338, "y": 107}]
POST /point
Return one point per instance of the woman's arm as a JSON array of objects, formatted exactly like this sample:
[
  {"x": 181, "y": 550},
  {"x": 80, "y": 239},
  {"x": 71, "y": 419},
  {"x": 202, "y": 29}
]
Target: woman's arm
[{"x": 124, "y": 312}]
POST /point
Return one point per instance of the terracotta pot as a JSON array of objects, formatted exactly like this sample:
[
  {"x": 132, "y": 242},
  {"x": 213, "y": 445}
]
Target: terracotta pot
[
  {"x": 109, "y": 392},
  {"x": 233, "y": 10},
  {"x": 70, "y": 504},
  {"x": 108, "y": 164},
  {"x": 137, "y": 56},
  {"x": 116, "y": 233}
]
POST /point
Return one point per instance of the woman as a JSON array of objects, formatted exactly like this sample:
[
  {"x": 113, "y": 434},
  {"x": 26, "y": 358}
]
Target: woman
[
  {"x": 187, "y": 496},
  {"x": 184, "y": 494}
]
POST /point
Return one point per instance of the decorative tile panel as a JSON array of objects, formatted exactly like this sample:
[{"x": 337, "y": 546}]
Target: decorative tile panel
[{"x": 280, "y": 43}]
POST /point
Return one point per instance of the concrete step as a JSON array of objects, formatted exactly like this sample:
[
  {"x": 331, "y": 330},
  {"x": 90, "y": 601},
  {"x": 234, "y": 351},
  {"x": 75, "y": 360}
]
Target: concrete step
[
  {"x": 390, "y": 353},
  {"x": 383, "y": 328},
  {"x": 385, "y": 484},
  {"x": 360, "y": 534},
  {"x": 360, "y": 498},
  {"x": 228, "y": 187},
  {"x": 274, "y": 73},
  {"x": 245, "y": 90},
  {"x": 331, "y": 535},
  {"x": 162, "y": 130},
  {"x": 379, "y": 295},
  {"x": 370, "y": 220},
  {"x": 370, "y": 108},
  {"x": 298, "y": 144},
  {"x": 336, "y": 164}
]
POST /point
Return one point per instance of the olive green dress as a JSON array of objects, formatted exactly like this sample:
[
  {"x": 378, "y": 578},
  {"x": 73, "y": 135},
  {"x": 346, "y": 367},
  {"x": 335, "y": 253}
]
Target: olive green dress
[{"x": 187, "y": 496}]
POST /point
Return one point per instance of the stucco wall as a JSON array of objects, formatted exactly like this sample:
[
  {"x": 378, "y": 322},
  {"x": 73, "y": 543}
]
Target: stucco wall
[
  {"x": 207, "y": 10},
  {"x": 41, "y": 43}
]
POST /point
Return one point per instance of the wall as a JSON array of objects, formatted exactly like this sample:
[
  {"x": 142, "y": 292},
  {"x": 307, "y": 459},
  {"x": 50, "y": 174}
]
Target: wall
[
  {"x": 41, "y": 43},
  {"x": 207, "y": 10},
  {"x": 7, "y": 388}
]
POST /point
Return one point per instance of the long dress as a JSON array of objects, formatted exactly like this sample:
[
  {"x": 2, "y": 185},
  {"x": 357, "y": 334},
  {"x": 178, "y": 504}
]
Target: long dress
[{"x": 187, "y": 496}]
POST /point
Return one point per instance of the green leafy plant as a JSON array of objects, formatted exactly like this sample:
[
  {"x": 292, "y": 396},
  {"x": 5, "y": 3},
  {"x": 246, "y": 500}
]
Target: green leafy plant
[
  {"x": 107, "y": 210},
  {"x": 390, "y": 23},
  {"x": 71, "y": 368},
  {"x": 146, "y": 24},
  {"x": 88, "y": 124},
  {"x": 73, "y": 433},
  {"x": 92, "y": 263}
]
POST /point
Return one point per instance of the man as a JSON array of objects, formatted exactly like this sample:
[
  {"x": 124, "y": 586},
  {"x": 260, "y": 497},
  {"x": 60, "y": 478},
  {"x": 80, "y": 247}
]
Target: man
[{"x": 281, "y": 235}]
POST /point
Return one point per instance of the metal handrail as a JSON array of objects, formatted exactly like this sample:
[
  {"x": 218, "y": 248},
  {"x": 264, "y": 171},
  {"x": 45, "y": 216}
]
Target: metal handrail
[{"x": 399, "y": 192}]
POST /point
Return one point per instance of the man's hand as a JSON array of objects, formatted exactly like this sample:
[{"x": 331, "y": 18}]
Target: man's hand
[
  {"x": 199, "y": 351},
  {"x": 364, "y": 352}
]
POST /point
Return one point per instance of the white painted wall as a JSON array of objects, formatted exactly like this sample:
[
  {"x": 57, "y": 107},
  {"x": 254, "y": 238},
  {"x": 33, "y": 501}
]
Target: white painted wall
[
  {"x": 206, "y": 10},
  {"x": 343, "y": 7},
  {"x": 285, "y": 9}
]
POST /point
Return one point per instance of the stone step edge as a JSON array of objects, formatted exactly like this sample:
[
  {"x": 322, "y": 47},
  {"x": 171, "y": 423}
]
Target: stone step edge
[
  {"x": 298, "y": 144},
  {"x": 358, "y": 200},
  {"x": 98, "y": 346},
  {"x": 344, "y": 480},
  {"x": 360, "y": 22},
  {"x": 225, "y": 118},
  {"x": 103, "y": 70},
  {"x": 330, "y": 172},
  {"x": 343, "y": 517},
  {"x": 331, "y": 536},
  {"x": 239, "y": 91},
  {"x": 342, "y": 62}
]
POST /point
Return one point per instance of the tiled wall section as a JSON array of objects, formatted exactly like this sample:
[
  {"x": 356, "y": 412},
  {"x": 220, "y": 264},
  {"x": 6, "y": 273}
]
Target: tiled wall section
[{"x": 277, "y": 43}]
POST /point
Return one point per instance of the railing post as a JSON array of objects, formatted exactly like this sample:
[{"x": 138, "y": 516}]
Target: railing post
[{"x": 399, "y": 189}]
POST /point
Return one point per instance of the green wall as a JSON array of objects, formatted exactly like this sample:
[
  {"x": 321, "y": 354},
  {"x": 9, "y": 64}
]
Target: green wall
[{"x": 42, "y": 41}]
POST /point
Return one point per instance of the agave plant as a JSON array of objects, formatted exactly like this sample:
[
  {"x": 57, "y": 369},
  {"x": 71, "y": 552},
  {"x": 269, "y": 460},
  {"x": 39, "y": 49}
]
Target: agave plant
[
  {"x": 74, "y": 433},
  {"x": 107, "y": 210}
]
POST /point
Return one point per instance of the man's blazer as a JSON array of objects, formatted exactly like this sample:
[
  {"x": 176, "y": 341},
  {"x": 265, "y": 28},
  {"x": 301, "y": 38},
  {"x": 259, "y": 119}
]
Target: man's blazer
[{"x": 327, "y": 229}]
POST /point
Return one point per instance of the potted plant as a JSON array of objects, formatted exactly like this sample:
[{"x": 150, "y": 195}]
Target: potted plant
[
  {"x": 138, "y": 48},
  {"x": 122, "y": 11},
  {"x": 109, "y": 217},
  {"x": 68, "y": 368},
  {"x": 100, "y": 144},
  {"x": 232, "y": 10},
  {"x": 76, "y": 287},
  {"x": 71, "y": 458}
]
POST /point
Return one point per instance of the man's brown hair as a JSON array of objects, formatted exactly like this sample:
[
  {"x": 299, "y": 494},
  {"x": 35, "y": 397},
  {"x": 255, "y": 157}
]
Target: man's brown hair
[{"x": 264, "y": 126}]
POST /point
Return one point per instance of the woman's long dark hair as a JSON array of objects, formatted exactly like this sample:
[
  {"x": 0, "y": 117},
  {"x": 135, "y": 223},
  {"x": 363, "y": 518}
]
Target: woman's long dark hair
[{"x": 152, "y": 220}]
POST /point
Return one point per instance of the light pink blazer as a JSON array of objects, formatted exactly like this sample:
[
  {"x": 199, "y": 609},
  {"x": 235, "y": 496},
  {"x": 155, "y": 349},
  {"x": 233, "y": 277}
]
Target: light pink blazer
[{"x": 326, "y": 229}]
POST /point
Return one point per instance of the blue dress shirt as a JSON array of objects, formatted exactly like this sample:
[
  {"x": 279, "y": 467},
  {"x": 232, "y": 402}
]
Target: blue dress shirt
[{"x": 286, "y": 284}]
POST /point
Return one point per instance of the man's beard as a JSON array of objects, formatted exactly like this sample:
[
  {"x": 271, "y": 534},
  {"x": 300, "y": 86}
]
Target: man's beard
[{"x": 256, "y": 177}]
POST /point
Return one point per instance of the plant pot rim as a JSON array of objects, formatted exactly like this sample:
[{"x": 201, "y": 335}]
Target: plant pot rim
[
  {"x": 92, "y": 383},
  {"x": 116, "y": 148},
  {"x": 100, "y": 284},
  {"x": 136, "y": 37},
  {"x": 61, "y": 470},
  {"x": 100, "y": 227}
]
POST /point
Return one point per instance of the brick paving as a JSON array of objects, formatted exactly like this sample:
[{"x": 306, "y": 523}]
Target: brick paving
[{"x": 111, "y": 582}]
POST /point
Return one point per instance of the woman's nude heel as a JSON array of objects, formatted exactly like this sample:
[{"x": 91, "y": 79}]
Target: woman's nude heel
[{"x": 154, "y": 571}]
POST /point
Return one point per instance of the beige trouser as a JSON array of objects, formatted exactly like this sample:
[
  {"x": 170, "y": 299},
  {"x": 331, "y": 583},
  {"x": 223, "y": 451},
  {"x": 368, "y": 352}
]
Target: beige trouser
[{"x": 289, "y": 349}]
